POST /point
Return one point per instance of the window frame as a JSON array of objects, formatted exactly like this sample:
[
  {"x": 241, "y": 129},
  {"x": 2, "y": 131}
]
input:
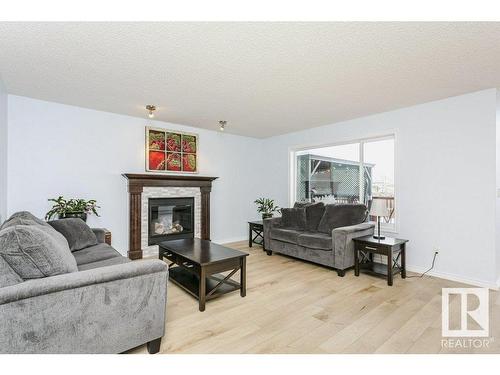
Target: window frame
[{"x": 292, "y": 161}]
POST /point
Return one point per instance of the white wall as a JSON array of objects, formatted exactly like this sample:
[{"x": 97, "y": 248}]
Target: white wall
[
  {"x": 445, "y": 179},
  {"x": 57, "y": 149},
  {"x": 3, "y": 151}
]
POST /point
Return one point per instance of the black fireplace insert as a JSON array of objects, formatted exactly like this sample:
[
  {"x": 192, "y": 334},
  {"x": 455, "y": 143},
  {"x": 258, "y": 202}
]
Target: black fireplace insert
[{"x": 169, "y": 219}]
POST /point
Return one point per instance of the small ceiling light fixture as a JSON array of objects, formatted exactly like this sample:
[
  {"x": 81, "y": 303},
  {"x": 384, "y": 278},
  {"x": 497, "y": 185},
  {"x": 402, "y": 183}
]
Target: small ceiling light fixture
[
  {"x": 151, "y": 109},
  {"x": 222, "y": 125}
]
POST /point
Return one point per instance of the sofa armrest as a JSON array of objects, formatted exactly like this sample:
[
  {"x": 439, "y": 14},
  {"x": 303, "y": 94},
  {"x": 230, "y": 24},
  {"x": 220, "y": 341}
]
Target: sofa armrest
[
  {"x": 103, "y": 235},
  {"x": 103, "y": 310},
  {"x": 268, "y": 225},
  {"x": 343, "y": 245}
]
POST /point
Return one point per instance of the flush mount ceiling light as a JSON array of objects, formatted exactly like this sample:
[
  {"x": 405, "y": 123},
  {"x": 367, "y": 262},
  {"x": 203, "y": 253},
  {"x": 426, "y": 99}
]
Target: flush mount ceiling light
[
  {"x": 151, "y": 109},
  {"x": 222, "y": 124}
]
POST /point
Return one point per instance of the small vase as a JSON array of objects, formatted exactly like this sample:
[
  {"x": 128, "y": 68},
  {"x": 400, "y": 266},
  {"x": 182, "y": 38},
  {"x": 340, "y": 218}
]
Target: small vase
[
  {"x": 266, "y": 216},
  {"x": 68, "y": 215}
]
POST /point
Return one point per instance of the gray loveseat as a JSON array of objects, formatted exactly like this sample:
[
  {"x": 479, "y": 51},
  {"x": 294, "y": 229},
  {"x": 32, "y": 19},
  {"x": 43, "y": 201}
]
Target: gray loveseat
[
  {"x": 58, "y": 295},
  {"x": 318, "y": 233}
]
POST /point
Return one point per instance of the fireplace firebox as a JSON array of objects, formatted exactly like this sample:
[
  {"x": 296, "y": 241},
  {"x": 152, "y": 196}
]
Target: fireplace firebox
[{"x": 169, "y": 219}]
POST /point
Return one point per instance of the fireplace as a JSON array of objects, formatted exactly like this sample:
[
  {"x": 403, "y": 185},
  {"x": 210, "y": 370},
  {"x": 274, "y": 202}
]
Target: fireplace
[
  {"x": 169, "y": 219},
  {"x": 136, "y": 185}
]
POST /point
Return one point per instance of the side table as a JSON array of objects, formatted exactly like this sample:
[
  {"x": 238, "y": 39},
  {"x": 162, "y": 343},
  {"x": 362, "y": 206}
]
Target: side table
[
  {"x": 255, "y": 233},
  {"x": 393, "y": 248}
]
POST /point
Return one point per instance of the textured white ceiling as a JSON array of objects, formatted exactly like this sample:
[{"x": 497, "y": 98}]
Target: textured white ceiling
[{"x": 263, "y": 78}]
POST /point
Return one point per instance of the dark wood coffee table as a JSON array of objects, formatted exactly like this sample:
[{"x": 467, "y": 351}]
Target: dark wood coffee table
[{"x": 196, "y": 266}]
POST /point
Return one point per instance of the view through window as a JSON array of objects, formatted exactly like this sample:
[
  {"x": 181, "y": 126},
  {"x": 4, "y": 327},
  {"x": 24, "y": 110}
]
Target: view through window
[{"x": 361, "y": 171}]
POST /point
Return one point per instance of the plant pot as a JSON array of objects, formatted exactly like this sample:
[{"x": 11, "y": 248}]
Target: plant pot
[
  {"x": 266, "y": 216},
  {"x": 80, "y": 215}
]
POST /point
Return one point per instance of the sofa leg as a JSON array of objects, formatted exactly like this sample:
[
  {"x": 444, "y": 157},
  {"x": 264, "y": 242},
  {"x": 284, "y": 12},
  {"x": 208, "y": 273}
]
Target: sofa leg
[
  {"x": 269, "y": 252},
  {"x": 154, "y": 346},
  {"x": 341, "y": 273}
]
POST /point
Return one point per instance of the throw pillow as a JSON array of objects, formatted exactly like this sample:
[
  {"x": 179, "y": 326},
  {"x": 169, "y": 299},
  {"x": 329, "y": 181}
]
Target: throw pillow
[
  {"x": 22, "y": 218},
  {"x": 293, "y": 218},
  {"x": 301, "y": 204},
  {"x": 76, "y": 231},
  {"x": 8, "y": 276},
  {"x": 342, "y": 215},
  {"x": 314, "y": 213},
  {"x": 35, "y": 251}
]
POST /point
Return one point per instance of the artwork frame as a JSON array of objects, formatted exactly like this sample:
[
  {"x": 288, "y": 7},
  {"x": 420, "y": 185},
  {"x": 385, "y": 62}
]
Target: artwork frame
[{"x": 171, "y": 151}]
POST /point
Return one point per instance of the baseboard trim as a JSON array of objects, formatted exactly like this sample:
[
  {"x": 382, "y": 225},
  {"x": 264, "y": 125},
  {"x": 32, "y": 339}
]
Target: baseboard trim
[
  {"x": 229, "y": 240},
  {"x": 453, "y": 277}
]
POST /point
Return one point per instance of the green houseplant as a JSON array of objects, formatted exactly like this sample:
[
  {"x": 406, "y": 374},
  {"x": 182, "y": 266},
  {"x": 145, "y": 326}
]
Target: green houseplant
[
  {"x": 266, "y": 207},
  {"x": 66, "y": 208}
]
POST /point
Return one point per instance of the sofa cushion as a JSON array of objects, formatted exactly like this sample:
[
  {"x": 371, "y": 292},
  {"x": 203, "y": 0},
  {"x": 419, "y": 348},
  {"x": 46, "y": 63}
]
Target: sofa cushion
[
  {"x": 342, "y": 215},
  {"x": 285, "y": 235},
  {"x": 8, "y": 276},
  {"x": 76, "y": 231},
  {"x": 95, "y": 253},
  {"x": 35, "y": 251},
  {"x": 312, "y": 255},
  {"x": 22, "y": 218},
  {"x": 316, "y": 240},
  {"x": 103, "y": 263},
  {"x": 314, "y": 213},
  {"x": 293, "y": 218}
]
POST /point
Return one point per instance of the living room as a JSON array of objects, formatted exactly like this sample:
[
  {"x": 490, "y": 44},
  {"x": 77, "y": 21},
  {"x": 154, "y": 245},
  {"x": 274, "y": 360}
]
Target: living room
[{"x": 233, "y": 203}]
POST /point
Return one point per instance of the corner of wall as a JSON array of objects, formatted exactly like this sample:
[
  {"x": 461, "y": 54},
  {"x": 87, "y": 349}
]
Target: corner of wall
[
  {"x": 3, "y": 150},
  {"x": 497, "y": 223}
]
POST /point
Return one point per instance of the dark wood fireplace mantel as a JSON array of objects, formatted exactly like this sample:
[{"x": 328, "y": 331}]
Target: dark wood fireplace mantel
[{"x": 136, "y": 184}]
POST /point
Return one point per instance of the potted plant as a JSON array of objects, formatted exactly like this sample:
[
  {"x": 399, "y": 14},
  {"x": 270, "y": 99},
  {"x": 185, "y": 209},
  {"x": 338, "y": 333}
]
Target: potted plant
[
  {"x": 72, "y": 208},
  {"x": 266, "y": 207}
]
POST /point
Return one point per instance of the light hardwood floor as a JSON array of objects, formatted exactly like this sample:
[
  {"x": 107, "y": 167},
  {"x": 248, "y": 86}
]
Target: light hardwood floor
[{"x": 298, "y": 307}]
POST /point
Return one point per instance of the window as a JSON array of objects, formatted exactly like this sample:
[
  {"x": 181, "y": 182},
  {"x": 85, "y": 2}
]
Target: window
[{"x": 358, "y": 171}]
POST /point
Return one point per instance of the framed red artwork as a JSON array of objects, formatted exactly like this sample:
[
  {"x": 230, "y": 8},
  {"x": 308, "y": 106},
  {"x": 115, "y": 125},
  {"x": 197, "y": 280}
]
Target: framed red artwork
[{"x": 171, "y": 151}]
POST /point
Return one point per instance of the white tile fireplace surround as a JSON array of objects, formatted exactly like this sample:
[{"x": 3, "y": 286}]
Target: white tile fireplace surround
[{"x": 167, "y": 192}]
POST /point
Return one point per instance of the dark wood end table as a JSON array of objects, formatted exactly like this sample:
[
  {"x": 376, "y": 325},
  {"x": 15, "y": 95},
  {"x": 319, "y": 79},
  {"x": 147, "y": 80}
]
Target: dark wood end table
[
  {"x": 196, "y": 265},
  {"x": 393, "y": 248},
  {"x": 107, "y": 236},
  {"x": 255, "y": 233}
]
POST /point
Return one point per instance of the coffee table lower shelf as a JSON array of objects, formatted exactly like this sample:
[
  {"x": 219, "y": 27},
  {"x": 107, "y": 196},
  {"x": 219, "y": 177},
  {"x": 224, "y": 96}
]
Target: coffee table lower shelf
[{"x": 190, "y": 282}]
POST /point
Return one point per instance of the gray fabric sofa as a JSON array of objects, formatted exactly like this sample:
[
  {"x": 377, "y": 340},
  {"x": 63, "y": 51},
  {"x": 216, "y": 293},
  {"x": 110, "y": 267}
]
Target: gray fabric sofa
[
  {"x": 93, "y": 301},
  {"x": 318, "y": 233}
]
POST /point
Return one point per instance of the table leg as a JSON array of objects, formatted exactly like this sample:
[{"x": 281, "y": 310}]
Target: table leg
[
  {"x": 356, "y": 262},
  {"x": 389, "y": 267},
  {"x": 243, "y": 276},
  {"x": 403, "y": 261},
  {"x": 202, "y": 290},
  {"x": 250, "y": 236}
]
